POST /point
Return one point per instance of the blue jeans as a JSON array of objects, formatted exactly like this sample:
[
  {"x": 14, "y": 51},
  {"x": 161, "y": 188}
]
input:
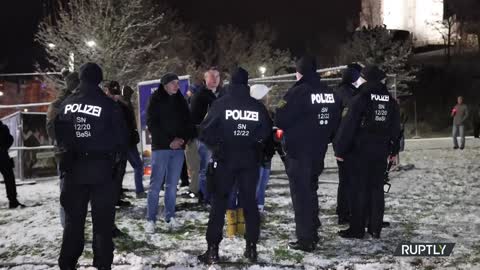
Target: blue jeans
[
  {"x": 205, "y": 155},
  {"x": 166, "y": 166},
  {"x": 262, "y": 183},
  {"x": 134, "y": 158},
  {"x": 456, "y": 131}
]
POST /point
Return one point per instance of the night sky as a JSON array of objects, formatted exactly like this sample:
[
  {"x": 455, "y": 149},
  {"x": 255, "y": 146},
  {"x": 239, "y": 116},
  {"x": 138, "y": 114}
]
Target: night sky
[{"x": 301, "y": 24}]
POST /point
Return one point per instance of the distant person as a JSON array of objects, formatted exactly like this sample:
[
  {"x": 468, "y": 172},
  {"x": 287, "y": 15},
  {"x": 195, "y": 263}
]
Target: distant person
[
  {"x": 459, "y": 114},
  {"x": 6, "y": 167}
]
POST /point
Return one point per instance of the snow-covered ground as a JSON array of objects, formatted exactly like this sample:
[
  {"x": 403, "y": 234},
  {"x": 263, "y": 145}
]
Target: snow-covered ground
[{"x": 438, "y": 201}]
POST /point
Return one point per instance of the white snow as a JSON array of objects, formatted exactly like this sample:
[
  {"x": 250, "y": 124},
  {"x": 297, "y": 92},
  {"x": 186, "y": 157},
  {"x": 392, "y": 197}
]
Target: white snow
[{"x": 438, "y": 201}]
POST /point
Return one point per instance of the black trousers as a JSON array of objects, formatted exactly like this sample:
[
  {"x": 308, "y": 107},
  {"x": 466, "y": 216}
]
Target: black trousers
[
  {"x": 368, "y": 199},
  {"x": 343, "y": 193},
  {"x": 118, "y": 174},
  {"x": 476, "y": 130},
  {"x": 9, "y": 178},
  {"x": 224, "y": 180},
  {"x": 303, "y": 173},
  {"x": 74, "y": 199}
]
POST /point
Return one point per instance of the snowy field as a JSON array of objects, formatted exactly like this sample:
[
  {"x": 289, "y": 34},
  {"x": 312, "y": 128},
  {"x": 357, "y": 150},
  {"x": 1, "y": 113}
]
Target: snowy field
[{"x": 438, "y": 201}]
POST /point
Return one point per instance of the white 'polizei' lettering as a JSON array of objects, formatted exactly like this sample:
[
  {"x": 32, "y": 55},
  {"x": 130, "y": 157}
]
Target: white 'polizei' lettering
[
  {"x": 241, "y": 115},
  {"x": 83, "y": 108},
  {"x": 322, "y": 98},
  {"x": 385, "y": 98}
]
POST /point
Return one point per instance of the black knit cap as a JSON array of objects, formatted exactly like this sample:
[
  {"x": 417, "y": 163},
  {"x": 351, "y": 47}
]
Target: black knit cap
[
  {"x": 306, "y": 65},
  {"x": 167, "y": 78},
  {"x": 91, "y": 73},
  {"x": 239, "y": 76},
  {"x": 373, "y": 73}
]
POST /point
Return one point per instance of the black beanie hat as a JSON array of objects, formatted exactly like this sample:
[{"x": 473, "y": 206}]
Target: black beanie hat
[
  {"x": 351, "y": 73},
  {"x": 306, "y": 65},
  {"x": 168, "y": 78},
  {"x": 373, "y": 73},
  {"x": 239, "y": 76},
  {"x": 91, "y": 72}
]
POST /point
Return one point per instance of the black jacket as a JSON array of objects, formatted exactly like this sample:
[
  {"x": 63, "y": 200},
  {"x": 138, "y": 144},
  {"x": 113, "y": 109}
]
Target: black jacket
[
  {"x": 168, "y": 117},
  {"x": 234, "y": 126},
  {"x": 309, "y": 115},
  {"x": 201, "y": 102},
  {"x": 371, "y": 125},
  {"x": 6, "y": 141},
  {"x": 129, "y": 115},
  {"x": 345, "y": 93},
  {"x": 91, "y": 130}
]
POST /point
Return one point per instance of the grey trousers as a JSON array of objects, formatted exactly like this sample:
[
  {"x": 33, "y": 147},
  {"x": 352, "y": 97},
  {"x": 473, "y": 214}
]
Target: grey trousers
[
  {"x": 458, "y": 130},
  {"x": 193, "y": 165}
]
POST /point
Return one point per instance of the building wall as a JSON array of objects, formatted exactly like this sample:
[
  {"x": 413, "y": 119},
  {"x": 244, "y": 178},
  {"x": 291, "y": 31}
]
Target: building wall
[{"x": 420, "y": 17}]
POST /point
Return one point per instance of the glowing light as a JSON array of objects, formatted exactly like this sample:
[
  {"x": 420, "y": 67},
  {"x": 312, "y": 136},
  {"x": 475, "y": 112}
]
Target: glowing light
[
  {"x": 51, "y": 45},
  {"x": 91, "y": 43}
]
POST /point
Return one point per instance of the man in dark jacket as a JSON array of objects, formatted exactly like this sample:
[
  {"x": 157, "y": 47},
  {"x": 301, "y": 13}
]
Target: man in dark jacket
[
  {"x": 345, "y": 92},
  {"x": 133, "y": 155},
  {"x": 200, "y": 103},
  {"x": 6, "y": 167},
  {"x": 112, "y": 89},
  {"x": 368, "y": 135},
  {"x": 234, "y": 127},
  {"x": 168, "y": 120},
  {"x": 72, "y": 81},
  {"x": 90, "y": 129},
  {"x": 309, "y": 115}
]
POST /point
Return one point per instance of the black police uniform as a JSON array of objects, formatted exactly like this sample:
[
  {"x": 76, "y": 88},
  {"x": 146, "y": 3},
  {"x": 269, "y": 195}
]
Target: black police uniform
[
  {"x": 233, "y": 128},
  {"x": 368, "y": 134},
  {"x": 309, "y": 115},
  {"x": 90, "y": 128},
  {"x": 6, "y": 166},
  {"x": 345, "y": 92}
]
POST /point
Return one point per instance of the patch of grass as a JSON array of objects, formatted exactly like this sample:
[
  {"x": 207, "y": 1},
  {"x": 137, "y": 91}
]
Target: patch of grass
[{"x": 285, "y": 254}]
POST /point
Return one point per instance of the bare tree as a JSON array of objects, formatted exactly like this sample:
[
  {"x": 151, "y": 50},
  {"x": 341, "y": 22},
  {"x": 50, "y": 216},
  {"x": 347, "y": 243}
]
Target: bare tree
[
  {"x": 249, "y": 49},
  {"x": 377, "y": 46},
  {"x": 131, "y": 39},
  {"x": 448, "y": 29}
]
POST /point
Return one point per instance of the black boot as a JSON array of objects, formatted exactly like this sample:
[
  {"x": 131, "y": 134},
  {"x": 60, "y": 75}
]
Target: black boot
[
  {"x": 210, "y": 256},
  {"x": 15, "y": 204},
  {"x": 303, "y": 246},
  {"x": 251, "y": 252},
  {"x": 351, "y": 234}
]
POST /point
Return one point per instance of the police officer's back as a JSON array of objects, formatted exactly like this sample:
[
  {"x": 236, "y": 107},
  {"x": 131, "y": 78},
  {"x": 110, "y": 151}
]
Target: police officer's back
[
  {"x": 89, "y": 127},
  {"x": 309, "y": 115},
  {"x": 233, "y": 128},
  {"x": 368, "y": 135}
]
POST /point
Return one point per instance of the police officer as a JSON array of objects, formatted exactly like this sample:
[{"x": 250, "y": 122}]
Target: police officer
[
  {"x": 368, "y": 135},
  {"x": 345, "y": 91},
  {"x": 309, "y": 114},
  {"x": 89, "y": 128},
  {"x": 6, "y": 167},
  {"x": 234, "y": 128}
]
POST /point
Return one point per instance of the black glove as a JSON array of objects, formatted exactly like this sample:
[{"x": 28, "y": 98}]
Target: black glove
[{"x": 66, "y": 159}]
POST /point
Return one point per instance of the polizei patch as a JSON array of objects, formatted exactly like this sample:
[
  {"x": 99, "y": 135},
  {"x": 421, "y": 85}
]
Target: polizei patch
[
  {"x": 384, "y": 98},
  {"x": 322, "y": 98},
  {"x": 241, "y": 115},
  {"x": 83, "y": 108}
]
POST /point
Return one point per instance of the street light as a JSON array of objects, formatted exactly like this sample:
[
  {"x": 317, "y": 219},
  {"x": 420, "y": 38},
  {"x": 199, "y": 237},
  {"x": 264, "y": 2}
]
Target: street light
[
  {"x": 262, "y": 70},
  {"x": 1, "y": 93},
  {"x": 51, "y": 45},
  {"x": 91, "y": 43}
]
